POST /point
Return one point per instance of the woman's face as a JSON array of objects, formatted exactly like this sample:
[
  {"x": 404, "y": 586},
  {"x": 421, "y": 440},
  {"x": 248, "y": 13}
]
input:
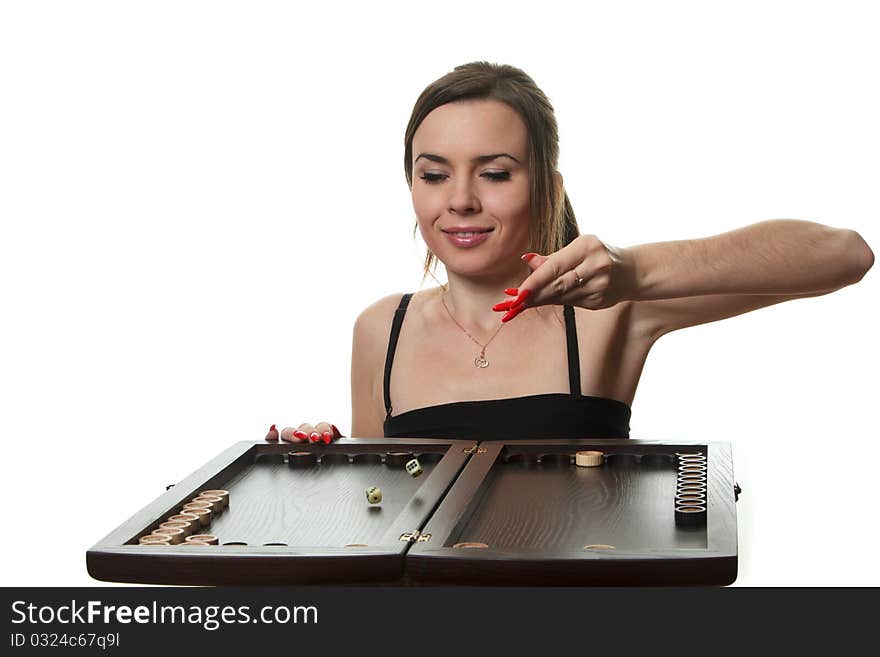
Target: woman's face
[{"x": 456, "y": 186}]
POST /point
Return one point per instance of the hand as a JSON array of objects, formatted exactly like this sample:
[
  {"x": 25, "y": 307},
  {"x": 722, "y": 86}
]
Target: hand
[
  {"x": 606, "y": 278},
  {"x": 304, "y": 433}
]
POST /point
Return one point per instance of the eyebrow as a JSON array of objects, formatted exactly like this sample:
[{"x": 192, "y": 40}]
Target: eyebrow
[{"x": 477, "y": 160}]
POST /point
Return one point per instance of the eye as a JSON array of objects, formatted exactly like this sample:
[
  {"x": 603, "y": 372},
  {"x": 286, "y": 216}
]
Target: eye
[{"x": 494, "y": 176}]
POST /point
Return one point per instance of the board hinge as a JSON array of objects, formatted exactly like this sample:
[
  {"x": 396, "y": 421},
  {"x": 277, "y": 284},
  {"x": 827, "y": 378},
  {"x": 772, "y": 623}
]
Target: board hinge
[
  {"x": 415, "y": 537},
  {"x": 473, "y": 449}
]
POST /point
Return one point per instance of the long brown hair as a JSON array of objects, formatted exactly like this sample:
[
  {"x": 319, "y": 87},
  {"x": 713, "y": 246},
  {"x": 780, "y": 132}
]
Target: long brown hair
[{"x": 553, "y": 223}]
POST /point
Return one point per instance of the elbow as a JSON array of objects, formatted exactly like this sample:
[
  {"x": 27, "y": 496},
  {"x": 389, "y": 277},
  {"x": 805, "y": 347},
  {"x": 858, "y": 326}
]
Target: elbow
[{"x": 860, "y": 256}]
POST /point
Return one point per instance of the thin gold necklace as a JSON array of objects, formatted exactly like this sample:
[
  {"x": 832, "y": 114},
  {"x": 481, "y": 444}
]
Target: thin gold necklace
[{"x": 480, "y": 361}]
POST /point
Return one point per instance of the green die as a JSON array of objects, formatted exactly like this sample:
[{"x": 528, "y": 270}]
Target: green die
[
  {"x": 374, "y": 495},
  {"x": 414, "y": 467}
]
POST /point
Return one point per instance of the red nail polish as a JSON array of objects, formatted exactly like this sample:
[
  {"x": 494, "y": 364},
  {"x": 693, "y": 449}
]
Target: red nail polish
[
  {"x": 512, "y": 291},
  {"x": 314, "y": 436},
  {"x": 515, "y": 309},
  {"x": 336, "y": 432},
  {"x": 523, "y": 296},
  {"x": 528, "y": 256},
  {"x": 300, "y": 434},
  {"x": 513, "y": 312},
  {"x": 327, "y": 437},
  {"x": 504, "y": 305}
]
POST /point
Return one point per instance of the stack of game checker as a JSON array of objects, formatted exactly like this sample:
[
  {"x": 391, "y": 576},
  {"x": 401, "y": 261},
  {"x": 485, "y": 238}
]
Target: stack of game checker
[
  {"x": 690, "y": 489},
  {"x": 187, "y": 527}
]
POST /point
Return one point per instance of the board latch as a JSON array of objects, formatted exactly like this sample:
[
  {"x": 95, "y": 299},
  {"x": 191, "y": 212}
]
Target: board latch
[{"x": 415, "y": 537}]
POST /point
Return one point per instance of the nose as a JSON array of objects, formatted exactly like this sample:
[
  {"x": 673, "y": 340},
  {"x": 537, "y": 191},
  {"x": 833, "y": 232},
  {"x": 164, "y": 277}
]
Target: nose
[{"x": 463, "y": 199}]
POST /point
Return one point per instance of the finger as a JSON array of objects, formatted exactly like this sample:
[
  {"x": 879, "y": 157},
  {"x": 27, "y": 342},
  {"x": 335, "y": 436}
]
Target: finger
[
  {"x": 591, "y": 293},
  {"x": 521, "y": 299},
  {"x": 311, "y": 431},
  {"x": 534, "y": 260},
  {"x": 513, "y": 312},
  {"x": 273, "y": 435},
  {"x": 287, "y": 435},
  {"x": 336, "y": 432},
  {"x": 545, "y": 285},
  {"x": 303, "y": 432},
  {"x": 325, "y": 430}
]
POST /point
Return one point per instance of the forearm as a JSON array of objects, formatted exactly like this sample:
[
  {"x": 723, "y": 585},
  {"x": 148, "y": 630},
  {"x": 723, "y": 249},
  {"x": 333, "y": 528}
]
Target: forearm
[{"x": 779, "y": 256}]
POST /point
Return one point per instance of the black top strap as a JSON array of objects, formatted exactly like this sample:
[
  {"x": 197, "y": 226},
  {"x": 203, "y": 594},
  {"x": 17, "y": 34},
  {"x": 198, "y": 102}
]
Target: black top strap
[
  {"x": 574, "y": 361},
  {"x": 392, "y": 345}
]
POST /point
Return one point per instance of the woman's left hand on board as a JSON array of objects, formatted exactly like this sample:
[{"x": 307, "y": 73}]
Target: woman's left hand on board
[{"x": 605, "y": 273}]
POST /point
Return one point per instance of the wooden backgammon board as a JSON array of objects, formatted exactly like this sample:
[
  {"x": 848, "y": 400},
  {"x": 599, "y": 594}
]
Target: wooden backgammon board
[
  {"x": 525, "y": 513},
  {"x": 418, "y": 511}
]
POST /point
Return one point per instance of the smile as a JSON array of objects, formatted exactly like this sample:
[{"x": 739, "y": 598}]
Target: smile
[{"x": 467, "y": 238}]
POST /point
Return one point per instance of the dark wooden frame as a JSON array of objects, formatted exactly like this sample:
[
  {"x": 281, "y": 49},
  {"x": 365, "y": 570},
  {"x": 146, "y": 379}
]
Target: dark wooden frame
[
  {"x": 118, "y": 558},
  {"x": 433, "y": 562}
]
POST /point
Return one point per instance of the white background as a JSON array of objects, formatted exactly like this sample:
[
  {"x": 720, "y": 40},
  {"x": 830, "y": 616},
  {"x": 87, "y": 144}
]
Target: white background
[{"x": 198, "y": 198}]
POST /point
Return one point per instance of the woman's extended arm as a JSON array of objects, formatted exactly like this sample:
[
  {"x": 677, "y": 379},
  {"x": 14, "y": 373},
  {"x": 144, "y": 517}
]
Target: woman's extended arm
[
  {"x": 682, "y": 284},
  {"x": 779, "y": 256},
  {"x": 676, "y": 284}
]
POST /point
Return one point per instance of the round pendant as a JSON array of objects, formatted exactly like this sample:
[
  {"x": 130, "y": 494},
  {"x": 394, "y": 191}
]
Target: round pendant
[{"x": 481, "y": 362}]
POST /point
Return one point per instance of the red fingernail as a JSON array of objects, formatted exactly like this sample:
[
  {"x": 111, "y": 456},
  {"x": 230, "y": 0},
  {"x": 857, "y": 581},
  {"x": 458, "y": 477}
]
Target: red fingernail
[
  {"x": 327, "y": 437},
  {"x": 512, "y": 291},
  {"x": 523, "y": 296},
  {"x": 528, "y": 256},
  {"x": 314, "y": 436},
  {"x": 300, "y": 434},
  {"x": 513, "y": 312},
  {"x": 336, "y": 432},
  {"x": 504, "y": 305}
]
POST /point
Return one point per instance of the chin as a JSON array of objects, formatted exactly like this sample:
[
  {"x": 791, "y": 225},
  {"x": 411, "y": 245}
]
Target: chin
[{"x": 476, "y": 267}]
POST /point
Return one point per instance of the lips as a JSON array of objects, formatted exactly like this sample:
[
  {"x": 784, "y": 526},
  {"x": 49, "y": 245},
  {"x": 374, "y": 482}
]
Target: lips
[
  {"x": 467, "y": 229},
  {"x": 467, "y": 237}
]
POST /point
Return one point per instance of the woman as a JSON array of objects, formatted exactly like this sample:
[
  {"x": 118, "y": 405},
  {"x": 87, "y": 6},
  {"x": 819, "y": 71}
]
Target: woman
[{"x": 577, "y": 316}]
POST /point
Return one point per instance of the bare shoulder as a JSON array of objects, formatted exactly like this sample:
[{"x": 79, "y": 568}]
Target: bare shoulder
[
  {"x": 369, "y": 347},
  {"x": 375, "y": 320},
  {"x": 373, "y": 325}
]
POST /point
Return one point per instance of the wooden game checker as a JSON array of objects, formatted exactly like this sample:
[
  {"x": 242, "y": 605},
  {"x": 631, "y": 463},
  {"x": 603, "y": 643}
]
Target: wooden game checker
[
  {"x": 588, "y": 458},
  {"x": 180, "y": 528}
]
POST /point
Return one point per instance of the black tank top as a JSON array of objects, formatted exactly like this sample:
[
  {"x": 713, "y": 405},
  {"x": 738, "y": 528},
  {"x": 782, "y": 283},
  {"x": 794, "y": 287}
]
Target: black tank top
[{"x": 550, "y": 415}]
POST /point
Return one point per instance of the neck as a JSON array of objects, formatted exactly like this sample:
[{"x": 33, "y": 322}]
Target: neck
[{"x": 470, "y": 300}]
